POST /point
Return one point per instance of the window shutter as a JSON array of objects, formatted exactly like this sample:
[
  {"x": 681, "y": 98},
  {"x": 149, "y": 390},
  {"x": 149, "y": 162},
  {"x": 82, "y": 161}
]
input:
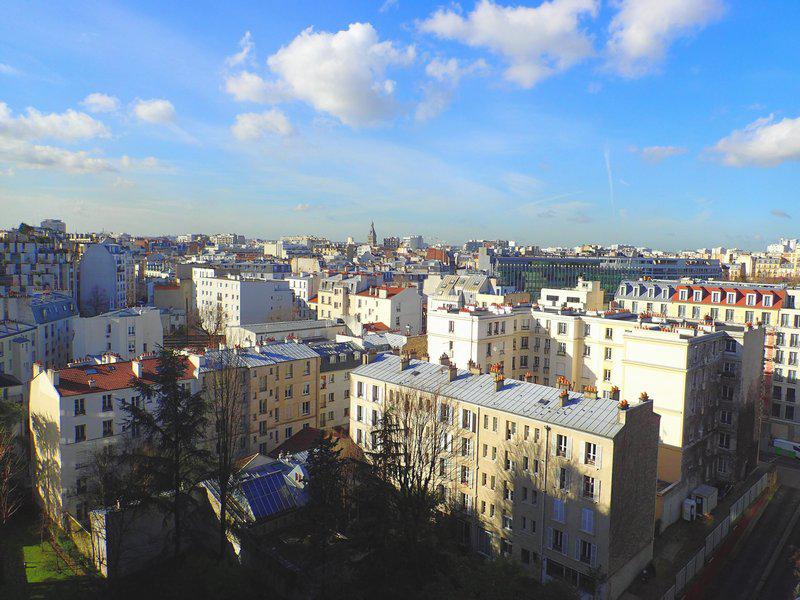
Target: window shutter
[
  {"x": 599, "y": 460},
  {"x": 565, "y": 544},
  {"x": 550, "y": 537},
  {"x": 597, "y": 490},
  {"x": 569, "y": 447},
  {"x": 568, "y": 478},
  {"x": 577, "y": 549},
  {"x": 594, "y": 554}
]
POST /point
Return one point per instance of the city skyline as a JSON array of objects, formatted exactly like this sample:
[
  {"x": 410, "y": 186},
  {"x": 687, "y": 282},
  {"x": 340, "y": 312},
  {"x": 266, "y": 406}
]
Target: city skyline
[{"x": 612, "y": 125}]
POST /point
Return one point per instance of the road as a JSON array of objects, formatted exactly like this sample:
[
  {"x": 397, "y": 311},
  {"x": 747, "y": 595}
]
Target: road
[{"x": 739, "y": 576}]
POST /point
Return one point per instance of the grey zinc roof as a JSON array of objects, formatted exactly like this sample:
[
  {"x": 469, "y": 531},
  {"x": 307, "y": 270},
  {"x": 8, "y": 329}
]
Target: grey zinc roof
[
  {"x": 260, "y": 356},
  {"x": 596, "y": 416}
]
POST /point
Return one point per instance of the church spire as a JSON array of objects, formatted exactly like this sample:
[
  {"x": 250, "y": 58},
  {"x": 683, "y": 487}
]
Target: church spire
[{"x": 372, "y": 238}]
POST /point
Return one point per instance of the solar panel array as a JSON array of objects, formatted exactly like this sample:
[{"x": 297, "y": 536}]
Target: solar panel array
[{"x": 268, "y": 495}]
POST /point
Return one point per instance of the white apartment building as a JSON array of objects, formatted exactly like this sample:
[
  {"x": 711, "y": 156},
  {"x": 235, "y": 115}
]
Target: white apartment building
[
  {"x": 52, "y": 314},
  {"x": 75, "y": 412},
  {"x": 304, "y": 286},
  {"x": 561, "y": 482},
  {"x": 335, "y": 292},
  {"x": 17, "y": 348},
  {"x": 482, "y": 337},
  {"x": 264, "y": 333},
  {"x": 128, "y": 333},
  {"x": 587, "y": 295},
  {"x": 482, "y": 291},
  {"x": 241, "y": 301},
  {"x": 399, "y": 308}
]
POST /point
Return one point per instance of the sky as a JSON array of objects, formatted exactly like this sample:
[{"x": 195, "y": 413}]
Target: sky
[{"x": 666, "y": 123}]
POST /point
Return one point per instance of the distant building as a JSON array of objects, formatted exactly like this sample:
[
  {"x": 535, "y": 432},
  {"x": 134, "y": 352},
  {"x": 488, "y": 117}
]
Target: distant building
[
  {"x": 252, "y": 334},
  {"x": 587, "y": 295},
  {"x": 105, "y": 277},
  {"x": 372, "y": 238},
  {"x": 55, "y": 224},
  {"x": 53, "y": 315},
  {"x": 128, "y": 333}
]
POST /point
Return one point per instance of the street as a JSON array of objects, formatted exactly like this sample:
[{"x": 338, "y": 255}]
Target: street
[{"x": 738, "y": 578}]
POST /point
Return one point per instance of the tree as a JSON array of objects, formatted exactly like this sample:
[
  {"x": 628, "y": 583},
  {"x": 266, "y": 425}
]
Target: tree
[
  {"x": 97, "y": 303},
  {"x": 175, "y": 430},
  {"x": 211, "y": 322},
  {"x": 410, "y": 476},
  {"x": 324, "y": 512},
  {"x": 12, "y": 468},
  {"x": 225, "y": 385}
]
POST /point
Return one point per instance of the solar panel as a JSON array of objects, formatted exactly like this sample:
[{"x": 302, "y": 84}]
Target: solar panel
[{"x": 268, "y": 495}]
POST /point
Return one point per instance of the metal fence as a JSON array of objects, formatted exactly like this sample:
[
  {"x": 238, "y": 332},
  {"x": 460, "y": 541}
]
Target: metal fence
[{"x": 684, "y": 577}]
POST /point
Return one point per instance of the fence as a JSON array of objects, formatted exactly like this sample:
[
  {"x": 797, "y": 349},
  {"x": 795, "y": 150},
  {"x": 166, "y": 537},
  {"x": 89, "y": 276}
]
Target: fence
[{"x": 715, "y": 538}]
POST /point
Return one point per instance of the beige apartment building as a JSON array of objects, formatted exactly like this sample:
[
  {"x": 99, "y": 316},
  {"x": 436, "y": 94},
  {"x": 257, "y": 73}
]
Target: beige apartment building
[
  {"x": 560, "y": 481},
  {"x": 586, "y": 295}
]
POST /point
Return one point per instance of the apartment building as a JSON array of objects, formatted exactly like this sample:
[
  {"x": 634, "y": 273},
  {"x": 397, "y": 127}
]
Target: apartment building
[
  {"x": 128, "y": 333},
  {"x": 34, "y": 261},
  {"x": 397, "y": 307},
  {"x": 240, "y": 301},
  {"x": 479, "y": 338},
  {"x": 17, "y": 355},
  {"x": 264, "y": 333},
  {"x": 52, "y": 313},
  {"x": 75, "y": 412},
  {"x": 106, "y": 279},
  {"x": 304, "y": 286},
  {"x": 282, "y": 390},
  {"x": 337, "y": 360},
  {"x": 336, "y": 291},
  {"x": 459, "y": 291},
  {"x": 562, "y": 482},
  {"x": 773, "y": 305},
  {"x": 586, "y": 295}
]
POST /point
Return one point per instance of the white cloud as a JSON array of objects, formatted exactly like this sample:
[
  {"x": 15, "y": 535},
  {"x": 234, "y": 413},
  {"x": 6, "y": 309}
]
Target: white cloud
[
  {"x": 452, "y": 70},
  {"x": 659, "y": 153},
  {"x": 245, "y": 54},
  {"x": 249, "y": 87},
  {"x": 100, "y": 103},
  {"x": 8, "y": 69},
  {"x": 387, "y": 5},
  {"x": 67, "y": 126},
  {"x": 535, "y": 42},
  {"x": 302, "y": 207},
  {"x": 255, "y": 126},
  {"x": 642, "y": 30},
  {"x": 33, "y": 156},
  {"x": 342, "y": 74},
  {"x": 157, "y": 110},
  {"x": 447, "y": 74},
  {"x": 763, "y": 143},
  {"x": 148, "y": 163}
]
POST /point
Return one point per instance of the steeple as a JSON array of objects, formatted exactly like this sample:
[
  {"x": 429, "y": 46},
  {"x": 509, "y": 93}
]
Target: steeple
[{"x": 372, "y": 238}]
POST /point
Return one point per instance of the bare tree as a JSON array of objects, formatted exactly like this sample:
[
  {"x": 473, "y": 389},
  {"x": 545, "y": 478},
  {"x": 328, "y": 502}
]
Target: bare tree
[
  {"x": 97, "y": 303},
  {"x": 211, "y": 323},
  {"x": 12, "y": 468},
  {"x": 225, "y": 385}
]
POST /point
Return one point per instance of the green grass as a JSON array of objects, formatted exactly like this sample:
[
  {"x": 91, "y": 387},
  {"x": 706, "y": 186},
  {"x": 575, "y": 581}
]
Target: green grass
[{"x": 33, "y": 571}]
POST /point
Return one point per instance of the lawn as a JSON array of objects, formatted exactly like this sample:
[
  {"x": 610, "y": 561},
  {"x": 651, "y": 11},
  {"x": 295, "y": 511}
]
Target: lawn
[{"x": 33, "y": 571}]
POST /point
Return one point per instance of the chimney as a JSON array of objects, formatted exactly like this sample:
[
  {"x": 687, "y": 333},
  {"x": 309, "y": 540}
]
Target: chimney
[
  {"x": 590, "y": 392},
  {"x": 136, "y": 367},
  {"x": 405, "y": 359},
  {"x": 563, "y": 383},
  {"x": 563, "y": 398},
  {"x": 444, "y": 359},
  {"x": 368, "y": 357},
  {"x": 473, "y": 368},
  {"x": 452, "y": 371},
  {"x": 528, "y": 377},
  {"x": 499, "y": 381}
]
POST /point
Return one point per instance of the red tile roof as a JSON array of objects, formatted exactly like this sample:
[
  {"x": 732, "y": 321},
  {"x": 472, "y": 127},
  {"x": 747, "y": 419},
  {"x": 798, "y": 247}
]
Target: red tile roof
[
  {"x": 376, "y": 327},
  {"x": 778, "y": 296},
  {"x": 109, "y": 377}
]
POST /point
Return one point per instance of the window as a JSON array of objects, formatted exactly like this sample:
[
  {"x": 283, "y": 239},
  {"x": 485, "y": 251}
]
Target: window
[
  {"x": 591, "y": 488},
  {"x": 563, "y": 479},
  {"x": 684, "y": 295},
  {"x": 609, "y": 333},
  {"x": 561, "y": 445},
  {"x": 767, "y": 299},
  {"x": 725, "y": 441},
  {"x": 587, "y": 350},
  {"x": 451, "y": 326},
  {"x": 716, "y": 297},
  {"x": 108, "y": 428},
  {"x": 729, "y": 314},
  {"x": 107, "y": 404},
  {"x": 586, "y": 552},
  {"x": 306, "y": 408},
  {"x": 360, "y": 389},
  {"x": 559, "y": 511},
  {"x": 80, "y": 408},
  {"x": 359, "y": 413},
  {"x": 288, "y": 392},
  {"x": 606, "y": 375},
  {"x": 287, "y": 433},
  {"x": 608, "y": 353},
  {"x": 697, "y": 296},
  {"x": 587, "y": 520},
  {"x": 557, "y": 540},
  {"x": 508, "y": 522},
  {"x": 750, "y": 300},
  {"x": 375, "y": 393},
  {"x": 80, "y": 485},
  {"x": 590, "y": 454},
  {"x": 306, "y": 389},
  {"x": 788, "y": 412},
  {"x": 730, "y": 298},
  {"x": 80, "y": 433},
  {"x": 562, "y": 328},
  {"x": 725, "y": 417}
]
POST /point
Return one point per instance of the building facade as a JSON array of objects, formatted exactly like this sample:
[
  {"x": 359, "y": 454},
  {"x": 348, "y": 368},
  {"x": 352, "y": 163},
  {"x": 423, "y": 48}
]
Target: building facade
[{"x": 128, "y": 333}]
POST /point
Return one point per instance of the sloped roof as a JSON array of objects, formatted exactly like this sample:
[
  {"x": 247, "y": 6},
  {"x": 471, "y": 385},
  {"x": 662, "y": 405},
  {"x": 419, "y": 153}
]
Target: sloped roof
[{"x": 109, "y": 377}]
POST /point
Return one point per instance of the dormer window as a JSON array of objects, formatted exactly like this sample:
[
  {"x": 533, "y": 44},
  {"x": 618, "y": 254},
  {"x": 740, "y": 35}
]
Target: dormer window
[
  {"x": 684, "y": 295},
  {"x": 698, "y": 295},
  {"x": 767, "y": 299},
  {"x": 730, "y": 297},
  {"x": 751, "y": 299},
  {"x": 716, "y": 297}
]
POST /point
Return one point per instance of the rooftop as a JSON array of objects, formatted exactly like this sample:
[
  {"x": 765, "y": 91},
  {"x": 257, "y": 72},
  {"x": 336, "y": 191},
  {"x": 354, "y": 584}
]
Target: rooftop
[
  {"x": 260, "y": 356},
  {"x": 94, "y": 378},
  {"x": 279, "y": 327},
  {"x": 596, "y": 416}
]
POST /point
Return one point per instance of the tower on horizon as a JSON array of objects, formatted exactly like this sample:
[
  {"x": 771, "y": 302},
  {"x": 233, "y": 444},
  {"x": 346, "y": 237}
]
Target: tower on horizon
[{"x": 372, "y": 238}]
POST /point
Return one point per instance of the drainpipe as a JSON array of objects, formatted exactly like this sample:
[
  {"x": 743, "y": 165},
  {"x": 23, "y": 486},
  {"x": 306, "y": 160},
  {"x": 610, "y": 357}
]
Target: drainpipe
[{"x": 544, "y": 498}]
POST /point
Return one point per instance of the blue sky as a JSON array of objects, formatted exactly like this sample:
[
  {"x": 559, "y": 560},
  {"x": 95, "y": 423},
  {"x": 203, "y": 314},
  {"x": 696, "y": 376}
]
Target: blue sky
[{"x": 670, "y": 123}]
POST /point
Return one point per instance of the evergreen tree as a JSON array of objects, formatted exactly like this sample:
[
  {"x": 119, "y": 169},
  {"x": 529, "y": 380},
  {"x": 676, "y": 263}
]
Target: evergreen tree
[{"x": 174, "y": 430}]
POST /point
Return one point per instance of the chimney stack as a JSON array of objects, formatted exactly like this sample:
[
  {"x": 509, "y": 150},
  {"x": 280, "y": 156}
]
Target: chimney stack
[
  {"x": 473, "y": 368},
  {"x": 444, "y": 359},
  {"x": 452, "y": 372},
  {"x": 136, "y": 367},
  {"x": 405, "y": 359},
  {"x": 499, "y": 381},
  {"x": 563, "y": 398},
  {"x": 528, "y": 377}
]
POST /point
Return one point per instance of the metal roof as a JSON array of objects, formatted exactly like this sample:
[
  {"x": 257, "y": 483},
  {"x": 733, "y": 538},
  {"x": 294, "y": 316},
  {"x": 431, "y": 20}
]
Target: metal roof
[
  {"x": 260, "y": 356},
  {"x": 596, "y": 416}
]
